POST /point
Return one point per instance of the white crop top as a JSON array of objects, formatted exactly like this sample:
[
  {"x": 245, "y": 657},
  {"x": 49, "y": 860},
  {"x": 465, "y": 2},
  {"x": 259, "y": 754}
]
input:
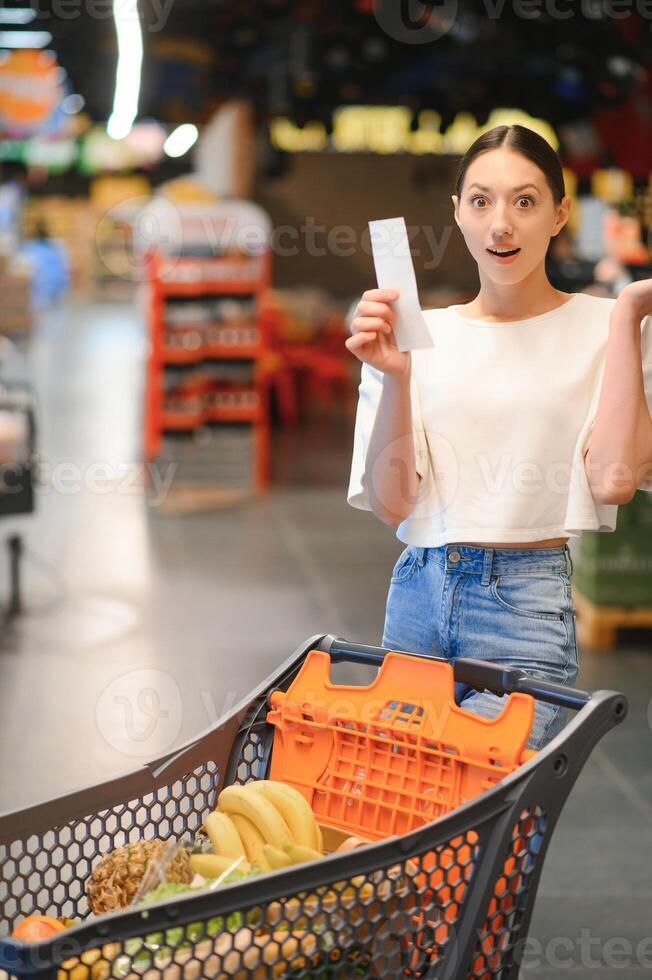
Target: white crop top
[{"x": 502, "y": 413}]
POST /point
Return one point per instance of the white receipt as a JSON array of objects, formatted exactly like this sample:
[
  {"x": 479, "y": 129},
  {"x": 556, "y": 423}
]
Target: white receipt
[{"x": 394, "y": 270}]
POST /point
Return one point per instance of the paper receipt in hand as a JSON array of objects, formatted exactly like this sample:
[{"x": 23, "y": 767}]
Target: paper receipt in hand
[{"x": 394, "y": 270}]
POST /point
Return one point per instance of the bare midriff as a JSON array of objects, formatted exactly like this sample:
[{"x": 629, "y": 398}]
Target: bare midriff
[{"x": 549, "y": 543}]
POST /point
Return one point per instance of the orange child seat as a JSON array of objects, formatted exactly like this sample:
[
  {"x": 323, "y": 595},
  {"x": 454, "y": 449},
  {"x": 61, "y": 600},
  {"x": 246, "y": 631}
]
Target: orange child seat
[{"x": 390, "y": 756}]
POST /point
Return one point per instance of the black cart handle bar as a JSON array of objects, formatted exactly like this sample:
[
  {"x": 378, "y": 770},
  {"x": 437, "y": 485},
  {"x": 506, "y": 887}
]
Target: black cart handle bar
[{"x": 476, "y": 673}]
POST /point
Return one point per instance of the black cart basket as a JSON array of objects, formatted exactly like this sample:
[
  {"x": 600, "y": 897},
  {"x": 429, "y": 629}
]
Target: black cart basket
[{"x": 452, "y": 899}]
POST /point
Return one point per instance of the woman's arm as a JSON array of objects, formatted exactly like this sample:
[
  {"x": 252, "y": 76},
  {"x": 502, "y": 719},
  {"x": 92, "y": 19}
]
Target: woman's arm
[
  {"x": 390, "y": 467},
  {"x": 620, "y": 447},
  {"x": 390, "y": 464}
]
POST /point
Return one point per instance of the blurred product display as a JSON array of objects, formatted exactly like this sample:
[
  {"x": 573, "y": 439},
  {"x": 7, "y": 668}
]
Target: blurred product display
[
  {"x": 15, "y": 295},
  {"x": 207, "y": 341},
  {"x": 307, "y": 364},
  {"x": 116, "y": 201},
  {"x": 69, "y": 221}
]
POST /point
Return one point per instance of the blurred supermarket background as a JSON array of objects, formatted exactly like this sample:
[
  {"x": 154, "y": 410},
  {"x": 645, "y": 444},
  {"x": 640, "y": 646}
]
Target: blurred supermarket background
[{"x": 185, "y": 187}]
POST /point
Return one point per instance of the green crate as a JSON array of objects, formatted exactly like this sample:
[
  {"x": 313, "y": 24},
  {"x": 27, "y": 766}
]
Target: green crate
[
  {"x": 637, "y": 513},
  {"x": 641, "y": 506},
  {"x": 615, "y": 569}
]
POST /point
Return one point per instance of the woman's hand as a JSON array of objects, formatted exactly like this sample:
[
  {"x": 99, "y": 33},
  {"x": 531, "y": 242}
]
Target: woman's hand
[
  {"x": 372, "y": 338},
  {"x": 637, "y": 298}
]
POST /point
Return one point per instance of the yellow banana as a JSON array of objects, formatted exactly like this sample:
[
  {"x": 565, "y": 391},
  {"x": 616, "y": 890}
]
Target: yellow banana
[
  {"x": 361, "y": 882},
  {"x": 299, "y": 852},
  {"x": 92, "y": 964},
  {"x": 213, "y": 865},
  {"x": 294, "y": 809},
  {"x": 223, "y": 835},
  {"x": 265, "y": 817},
  {"x": 252, "y": 839},
  {"x": 276, "y": 858}
]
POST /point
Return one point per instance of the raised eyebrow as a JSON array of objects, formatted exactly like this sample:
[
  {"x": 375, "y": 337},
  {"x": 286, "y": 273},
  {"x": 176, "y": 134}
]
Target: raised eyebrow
[{"x": 522, "y": 187}]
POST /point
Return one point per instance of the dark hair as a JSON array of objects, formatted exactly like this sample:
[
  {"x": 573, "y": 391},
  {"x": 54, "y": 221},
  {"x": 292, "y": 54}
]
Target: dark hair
[{"x": 521, "y": 140}]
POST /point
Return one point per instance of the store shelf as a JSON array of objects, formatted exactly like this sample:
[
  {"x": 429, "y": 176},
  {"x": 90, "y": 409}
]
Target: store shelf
[
  {"x": 181, "y": 421},
  {"x": 187, "y": 389},
  {"x": 234, "y": 414},
  {"x": 208, "y": 352},
  {"x": 184, "y": 421},
  {"x": 201, "y": 277},
  {"x": 206, "y": 287}
]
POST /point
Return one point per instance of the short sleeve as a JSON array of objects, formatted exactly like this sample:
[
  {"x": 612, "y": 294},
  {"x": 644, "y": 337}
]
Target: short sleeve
[
  {"x": 646, "y": 349},
  {"x": 369, "y": 392}
]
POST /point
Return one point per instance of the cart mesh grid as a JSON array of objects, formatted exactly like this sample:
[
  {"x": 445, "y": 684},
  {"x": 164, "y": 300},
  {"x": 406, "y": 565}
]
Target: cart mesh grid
[
  {"x": 456, "y": 892},
  {"x": 50, "y": 870},
  {"x": 382, "y": 923}
]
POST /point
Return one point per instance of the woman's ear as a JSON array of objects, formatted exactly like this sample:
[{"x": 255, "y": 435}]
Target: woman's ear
[
  {"x": 456, "y": 205},
  {"x": 563, "y": 212}
]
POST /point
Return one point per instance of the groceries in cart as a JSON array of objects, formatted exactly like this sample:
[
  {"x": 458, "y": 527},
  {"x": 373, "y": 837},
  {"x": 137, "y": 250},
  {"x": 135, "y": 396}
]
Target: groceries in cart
[{"x": 257, "y": 828}]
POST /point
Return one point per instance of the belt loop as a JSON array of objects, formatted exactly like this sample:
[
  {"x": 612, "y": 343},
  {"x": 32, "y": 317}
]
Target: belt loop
[
  {"x": 420, "y": 553},
  {"x": 570, "y": 560},
  {"x": 486, "y": 566}
]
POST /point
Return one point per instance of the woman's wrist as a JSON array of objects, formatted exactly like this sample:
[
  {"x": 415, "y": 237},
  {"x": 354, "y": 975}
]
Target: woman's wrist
[
  {"x": 631, "y": 304},
  {"x": 399, "y": 377},
  {"x": 626, "y": 314}
]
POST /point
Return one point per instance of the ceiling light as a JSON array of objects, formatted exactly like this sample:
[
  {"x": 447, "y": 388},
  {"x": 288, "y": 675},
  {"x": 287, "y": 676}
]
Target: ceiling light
[
  {"x": 180, "y": 140},
  {"x": 127, "y": 79},
  {"x": 24, "y": 39},
  {"x": 16, "y": 15}
]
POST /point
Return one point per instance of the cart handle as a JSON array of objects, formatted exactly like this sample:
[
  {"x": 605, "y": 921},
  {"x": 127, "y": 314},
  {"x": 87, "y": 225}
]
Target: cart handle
[{"x": 476, "y": 673}]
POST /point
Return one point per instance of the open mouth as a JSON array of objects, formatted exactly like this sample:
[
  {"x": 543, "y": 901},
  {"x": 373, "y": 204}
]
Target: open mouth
[{"x": 503, "y": 253}]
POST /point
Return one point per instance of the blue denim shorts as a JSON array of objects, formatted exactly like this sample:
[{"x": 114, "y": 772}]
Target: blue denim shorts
[{"x": 510, "y": 606}]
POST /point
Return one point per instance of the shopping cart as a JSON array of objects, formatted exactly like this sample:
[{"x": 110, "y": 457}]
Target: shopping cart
[{"x": 450, "y": 899}]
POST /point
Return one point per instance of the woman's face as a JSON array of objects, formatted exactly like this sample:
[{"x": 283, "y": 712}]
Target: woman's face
[{"x": 506, "y": 202}]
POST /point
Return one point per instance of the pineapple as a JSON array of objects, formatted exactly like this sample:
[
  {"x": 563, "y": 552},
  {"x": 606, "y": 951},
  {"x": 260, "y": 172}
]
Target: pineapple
[{"x": 117, "y": 877}]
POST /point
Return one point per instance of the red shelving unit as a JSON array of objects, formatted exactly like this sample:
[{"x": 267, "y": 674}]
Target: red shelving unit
[{"x": 190, "y": 346}]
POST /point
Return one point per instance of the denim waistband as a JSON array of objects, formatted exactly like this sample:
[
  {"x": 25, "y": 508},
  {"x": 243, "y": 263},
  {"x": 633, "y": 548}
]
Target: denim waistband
[{"x": 497, "y": 561}]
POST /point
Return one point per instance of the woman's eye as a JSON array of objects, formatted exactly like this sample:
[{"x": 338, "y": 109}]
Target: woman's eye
[{"x": 478, "y": 197}]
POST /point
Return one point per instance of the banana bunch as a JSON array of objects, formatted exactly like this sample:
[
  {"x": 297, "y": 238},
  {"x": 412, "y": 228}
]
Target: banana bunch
[{"x": 263, "y": 823}]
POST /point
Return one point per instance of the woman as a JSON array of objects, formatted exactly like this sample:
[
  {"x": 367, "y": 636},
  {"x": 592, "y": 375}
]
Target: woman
[{"x": 525, "y": 423}]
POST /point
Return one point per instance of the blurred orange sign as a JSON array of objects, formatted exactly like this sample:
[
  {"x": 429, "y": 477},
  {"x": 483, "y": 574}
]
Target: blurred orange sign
[{"x": 30, "y": 90}]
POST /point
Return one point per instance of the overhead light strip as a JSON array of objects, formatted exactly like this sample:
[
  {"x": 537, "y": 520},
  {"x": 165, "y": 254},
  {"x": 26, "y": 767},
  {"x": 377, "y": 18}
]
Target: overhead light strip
[
  {"x": 17, "y": 15},
  {"x": 130, "y": 58},
  {"x": 24, "y": 39}
]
